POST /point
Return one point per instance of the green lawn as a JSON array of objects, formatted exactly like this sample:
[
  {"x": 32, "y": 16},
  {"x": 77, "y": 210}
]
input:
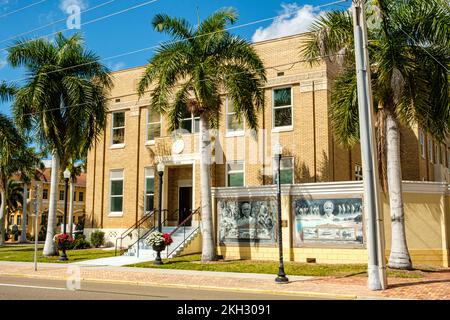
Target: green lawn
[
  {"x": 193, "y": 262},
  {"x": 25, "y": 253}
]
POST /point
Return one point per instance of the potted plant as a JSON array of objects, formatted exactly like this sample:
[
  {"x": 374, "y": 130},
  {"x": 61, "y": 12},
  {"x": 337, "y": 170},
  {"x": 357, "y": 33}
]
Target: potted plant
[
  {"x": 159, "y": 241},
  {"x": 63, "y": 241}
]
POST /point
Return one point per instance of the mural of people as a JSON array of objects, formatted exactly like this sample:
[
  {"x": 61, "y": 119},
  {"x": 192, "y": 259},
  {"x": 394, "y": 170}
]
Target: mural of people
[{"x": 247, "y": 221}]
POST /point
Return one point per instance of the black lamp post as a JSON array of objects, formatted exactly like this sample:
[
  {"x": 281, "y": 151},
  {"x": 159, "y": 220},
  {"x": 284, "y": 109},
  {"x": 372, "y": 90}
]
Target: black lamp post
[
  {"x": 160, "y": 168},
  {"x": 66, "y": 174},
  {"x": 281, "y": 277}
]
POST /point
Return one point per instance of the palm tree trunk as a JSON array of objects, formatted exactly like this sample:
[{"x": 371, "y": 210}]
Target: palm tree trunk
[
  {"x": 23, "y": 235},
  {"x": 2, "y": 217},
  {"x": 70, "y": 223},
  {"x": 49, "y": 247},
  {"x": 399, "y": 258},
  {"x": 208, "y": 246}
]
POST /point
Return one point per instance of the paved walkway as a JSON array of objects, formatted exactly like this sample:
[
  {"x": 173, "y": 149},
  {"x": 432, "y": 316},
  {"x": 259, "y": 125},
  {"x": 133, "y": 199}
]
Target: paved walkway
[{"x": 434, "y": 285}]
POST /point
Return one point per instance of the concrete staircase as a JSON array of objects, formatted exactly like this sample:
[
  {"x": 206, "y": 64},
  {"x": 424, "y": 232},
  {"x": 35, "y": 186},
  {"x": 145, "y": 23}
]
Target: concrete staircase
[{"x": 143, "y": 250}]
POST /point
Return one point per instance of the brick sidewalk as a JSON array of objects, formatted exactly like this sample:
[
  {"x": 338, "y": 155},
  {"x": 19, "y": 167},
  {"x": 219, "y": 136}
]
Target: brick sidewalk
[{"x": 434, "y": 285}]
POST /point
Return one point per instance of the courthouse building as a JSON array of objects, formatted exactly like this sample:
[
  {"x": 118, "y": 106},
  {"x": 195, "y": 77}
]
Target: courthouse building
[{"x": 122, "y": 184}]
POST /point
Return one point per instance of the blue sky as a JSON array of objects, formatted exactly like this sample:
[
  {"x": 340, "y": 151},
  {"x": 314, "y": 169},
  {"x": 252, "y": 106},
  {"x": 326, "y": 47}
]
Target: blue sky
[{"x": 131, "y": 30}]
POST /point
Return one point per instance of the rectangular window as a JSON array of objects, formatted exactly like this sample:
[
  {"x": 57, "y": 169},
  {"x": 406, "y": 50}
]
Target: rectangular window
[
  {"x": 443, "y": 155},
  {"x": 422, "y": 144},
  {"x": 116, "y": 192},
  {"x": 74, "y": 196},
  {"x": 153, "y": 125},
  {"x": 430, "y": 150},
  {"x": 19, "y": 220},
  {"x": 233, "y": 123},
  {"x": 358, "y": 172},
  {"x": 235, "y": 174},
  {"x": 45, "y": 194},
  {"x": 149, "y": 190},
  {"x": 118, "y": 128},
  {"x": 282, "y": 107},
  {"x": 61, "y": 195},
  {"x": 189, "y": 123},
  {"x": 437, "y": 153},
  {"x": 80, "y": 196},
  {"x": 59, "y": 220},
  {"x": 286, "y": 170}
]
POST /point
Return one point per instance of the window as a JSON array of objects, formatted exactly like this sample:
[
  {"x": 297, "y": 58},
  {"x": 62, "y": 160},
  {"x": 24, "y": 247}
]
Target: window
[
  {"x": 116, "y": 192},
  {"x": 430, "y": 150},
  {"x": 153, "y": 125},
  {"x": 282, "y": 107},
  {"x": 189, "y": 123},
  {"x": 80, "y": 196},
  {"x": 118, "y": 128},
  {"x": 437, "y": 153},
  {"x": 45, "y": 194},
  {"x": 358, "y": 172},
  {"x": 286, "y": 170},
  {"x": 233, "y": 123},
  {"x": 149, "y": 190},
  {"x": 74, "y": 196},
  {"x": 59, "y": 220},
  {"x": 61, "y": 195},
  {"x": 422, "y": 144},
  {"x": 443, "y": 155},
  {"x": 19, "y": 220},
  {"x": 235, "y": 174}
]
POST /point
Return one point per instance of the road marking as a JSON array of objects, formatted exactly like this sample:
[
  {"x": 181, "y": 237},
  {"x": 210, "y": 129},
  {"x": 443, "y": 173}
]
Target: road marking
[{"x": 33, "y": 287}]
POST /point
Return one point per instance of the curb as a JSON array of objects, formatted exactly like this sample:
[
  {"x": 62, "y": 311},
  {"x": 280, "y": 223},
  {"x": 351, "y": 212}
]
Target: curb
[{"x": 202, "y": 287}]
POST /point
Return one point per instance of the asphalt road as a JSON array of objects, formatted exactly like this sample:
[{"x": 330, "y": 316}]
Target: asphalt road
[{"x": 15, "y": 288}]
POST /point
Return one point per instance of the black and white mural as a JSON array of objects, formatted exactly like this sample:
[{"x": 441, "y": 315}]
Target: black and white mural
[
  {"x": 247, "y": 221},
  {"x": 328, "y": 220}
]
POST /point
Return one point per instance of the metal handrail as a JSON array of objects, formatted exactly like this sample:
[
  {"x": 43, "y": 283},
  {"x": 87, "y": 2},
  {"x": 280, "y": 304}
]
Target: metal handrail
[
  {"x": 132, "y": 228},
  {"x": 183, "y": 224}
]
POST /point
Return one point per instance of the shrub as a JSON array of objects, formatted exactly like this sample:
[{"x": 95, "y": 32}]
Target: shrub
[
  {"x": 80, "y": 242},
  {"x": 98, "y": 238}
]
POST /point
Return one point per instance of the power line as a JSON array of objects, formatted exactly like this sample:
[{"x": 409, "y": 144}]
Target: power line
[
  {"x": 21, "y": 9},
  {"x": 291, "y": 64},
  {"x": 93, "y": 21},
  {"x": 55, "y": 22},
  {"x": 166, "y": 43}
]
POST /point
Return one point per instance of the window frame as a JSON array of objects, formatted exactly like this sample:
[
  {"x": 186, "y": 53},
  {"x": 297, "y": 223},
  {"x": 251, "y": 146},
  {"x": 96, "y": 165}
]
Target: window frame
[
  {"x": 148, "y": 123},
  {"x": 236, "y": 133},
  {"x": 423, "y": 149},
  {"x": 288, "y": 127},
  {"x": 192, "y": 118},
  {"x": 110, "y": 196},
  {"x": 122, "y": 144},
  {"x": 227, "y": 172},
  {"x": 80, "y": 196},
  {"x": 61, "y": 192},
  {"x": 430, "y": 150},
  {"x": 45, "y": 192},
  {"x": 146, "y": 176},
  {"x": 275, "y": 168}
]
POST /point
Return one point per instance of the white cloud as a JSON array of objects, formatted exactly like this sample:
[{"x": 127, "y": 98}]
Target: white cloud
[
  {"x": 2, "y": 63},
  {"x": 116, "y": 66},
  {"x": 292, "y": 20},
  {"x": 64, "y": 4}
]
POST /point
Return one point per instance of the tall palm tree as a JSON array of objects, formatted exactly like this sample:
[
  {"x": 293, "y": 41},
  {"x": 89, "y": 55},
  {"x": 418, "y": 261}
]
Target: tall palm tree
[
  {"x": 62, "y": 102},
  {"x": 14, "y": 199},
  {"x": 191, "y": 73},
  {"x": 409, "y": 62}
]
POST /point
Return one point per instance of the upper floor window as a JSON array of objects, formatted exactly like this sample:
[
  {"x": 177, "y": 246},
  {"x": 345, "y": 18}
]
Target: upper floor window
[
  {"x": 443, "y": 155},
  {"x": 430, "y": 150},
  {"x": 45, "y": 194},
  {"x": 233, "y": 124},
  {"x": 282, "y": 107},
  {"x": 116, "y": 192},
  {"x": 422, "y": 144},
  {"x": 61, "y": 195},
  {"x": 80, "y": 196},
  {"x": 118, "y": 128},
  {"x": 286, "y": 170},
  {"x": 235, "y": 174},
  {"x": 190, "y": 123},
  {"x": 149, "y": 190},
  {"x": 19, "y": 220},
  {"x": 74, "y": 196},
  {"x": 153, "y": 125},
  {"x": 358, "y": 172}
]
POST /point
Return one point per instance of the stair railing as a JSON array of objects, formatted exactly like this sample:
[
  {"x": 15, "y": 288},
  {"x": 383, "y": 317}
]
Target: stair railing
[
  {"x": 130, "y": 230},
  {"x": 164, "y": 217},
  {"x": 183, "y": 225}
]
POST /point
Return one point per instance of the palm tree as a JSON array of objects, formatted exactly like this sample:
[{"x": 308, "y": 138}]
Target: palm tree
[
  {"x": 14, "y": 199},
  {"x": 191, "y": 73},
  {"x": 409, "y": 61},
  {"x": 63, "y": 102}
]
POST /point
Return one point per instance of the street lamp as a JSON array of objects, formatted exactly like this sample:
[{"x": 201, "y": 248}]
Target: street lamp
[
  {"x": 281, "y": 277},
  {"x": 66, "y": 175},
  {"x": 160, "y": 168}
]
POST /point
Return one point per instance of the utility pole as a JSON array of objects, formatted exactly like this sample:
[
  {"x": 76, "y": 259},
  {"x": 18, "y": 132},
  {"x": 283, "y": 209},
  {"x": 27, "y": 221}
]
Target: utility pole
[
  {"x": 375, "y": 228},
  {"x": 36, "y": 219}
]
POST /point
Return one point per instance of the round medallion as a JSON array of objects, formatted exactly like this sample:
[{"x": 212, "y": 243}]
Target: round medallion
[{"x": 178, "y": 146}]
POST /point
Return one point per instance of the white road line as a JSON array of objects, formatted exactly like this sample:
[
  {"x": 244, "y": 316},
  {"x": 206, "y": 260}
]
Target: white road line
[{"x": 33, "y": 287}]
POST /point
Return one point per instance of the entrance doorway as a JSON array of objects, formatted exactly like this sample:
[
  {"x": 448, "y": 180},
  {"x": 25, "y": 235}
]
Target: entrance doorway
[{"x": 184, "y": 204}]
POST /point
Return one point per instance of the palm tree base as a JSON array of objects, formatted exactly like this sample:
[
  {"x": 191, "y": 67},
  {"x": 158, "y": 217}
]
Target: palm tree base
[{"x": 400, "y": 261}]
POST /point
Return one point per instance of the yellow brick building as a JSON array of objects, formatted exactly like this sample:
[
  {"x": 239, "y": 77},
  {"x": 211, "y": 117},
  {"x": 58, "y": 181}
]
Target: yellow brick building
[{"x": 123, "y": 183}]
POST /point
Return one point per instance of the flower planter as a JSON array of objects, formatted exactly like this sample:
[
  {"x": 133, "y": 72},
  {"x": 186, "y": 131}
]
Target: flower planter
[{"x": 159, "y": 248}]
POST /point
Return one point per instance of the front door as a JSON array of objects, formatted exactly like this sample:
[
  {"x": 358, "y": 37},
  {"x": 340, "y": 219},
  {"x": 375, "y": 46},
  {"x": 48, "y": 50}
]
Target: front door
[{"x": 184, "y": 204}]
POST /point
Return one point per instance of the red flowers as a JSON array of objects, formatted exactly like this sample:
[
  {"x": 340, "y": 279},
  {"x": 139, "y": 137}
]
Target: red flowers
[
  {"x": 167, "y": 239},
  {"x": 63, "y": 238}
]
